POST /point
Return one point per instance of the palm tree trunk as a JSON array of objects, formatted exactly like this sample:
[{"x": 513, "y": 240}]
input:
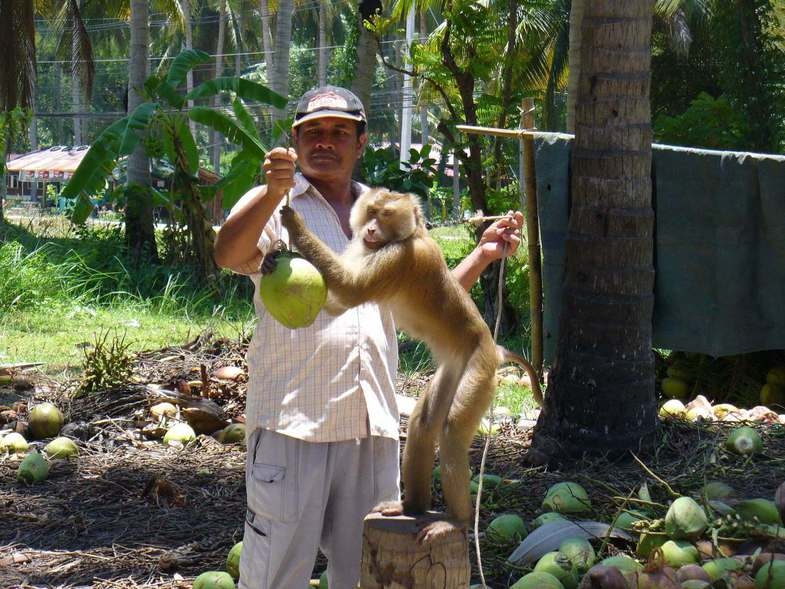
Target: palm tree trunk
[
  {"x": 367, "y": 48},
  {"x": 139, "y": 226},
  {"x": 216, "y": 139},
  {"x": 76, "y": 88},
  {"x": 576, "y": 21},
  {"x": 324, "y": 52},
  {"x": 600, "y": 393},
  {"x": 283, "y": 40},
  {"x": 267, "y": 39}
]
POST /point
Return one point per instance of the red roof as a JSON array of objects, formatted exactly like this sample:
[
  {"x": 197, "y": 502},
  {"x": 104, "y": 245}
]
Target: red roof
[{"x": 54, "y": 159}]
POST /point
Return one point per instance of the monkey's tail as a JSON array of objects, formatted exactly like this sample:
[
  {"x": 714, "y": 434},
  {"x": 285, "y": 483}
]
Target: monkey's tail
[{"x": 505, "y": 356}]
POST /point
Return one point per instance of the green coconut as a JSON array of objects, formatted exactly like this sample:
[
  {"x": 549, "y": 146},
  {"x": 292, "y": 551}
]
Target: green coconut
[
  {"x": 648, "y": 541},
  {"x": 580, "y": 552},
  {"x": 719, "y": 567},
  {"x": 489, "y": 481},
  {"x": 214, "y": 580},
  {"x": 538, "y": 580},
  {"x": 685, "y": 519},
  {"x": 559, "y": 565},
  {"x": 776, "y": 376},
  {"x": 772, "y": 394},
  {"x": 232, "y": 434},
  {"x": 295, "y": 292},
  {"x": 179, "y": 433},
  {"x": 14, "y": 443},
  {"x": 566, "y": 497},
  {"x": 744, "y": 440},
  {"x": 674, "y": 387},
  {"x": 33, "y": 469},
  {"x": 61, "y": 447},
  {"x": 546, "y": 517},
  {"x": 626, "y": 564},
  {"x": 677, "y": 553},
  {"x": 506, "y": 528},
  {"x": 771, "y": 575},
  {"x": 233, "y": 561},
  {"x": 717, "y": 491},
  {"x": 45, "y": 421},
  {"x": 761, "y": 510},
  {"x": 628, "y": 517},
  {"x": 672, "y": 409}
]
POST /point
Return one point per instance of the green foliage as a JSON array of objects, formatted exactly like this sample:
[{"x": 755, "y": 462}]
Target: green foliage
[
  {"x": 381, "y": 167},
  {"x": 708, "y": 122},
  {"x": 107, "y": 364}
]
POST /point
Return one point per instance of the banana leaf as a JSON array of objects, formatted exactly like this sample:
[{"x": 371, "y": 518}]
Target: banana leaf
[
  {"x": 183, "y": 63},
  {"x": 244, "y": 118},
  {"x": 95, "y": 167},
  {"x": 245, "y": 89},
  {"x": 229, "y": 127},
  {"x": 240, "y": 178}
]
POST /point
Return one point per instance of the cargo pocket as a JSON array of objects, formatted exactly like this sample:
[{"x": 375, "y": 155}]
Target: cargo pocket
[{"x": 272, "y": 489}]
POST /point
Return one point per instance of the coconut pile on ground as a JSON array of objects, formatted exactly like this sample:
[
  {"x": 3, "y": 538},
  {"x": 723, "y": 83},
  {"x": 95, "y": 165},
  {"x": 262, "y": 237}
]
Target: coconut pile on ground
[{"x": 154, "y": 495}]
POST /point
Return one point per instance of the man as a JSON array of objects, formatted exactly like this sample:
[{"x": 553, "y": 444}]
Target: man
[{"x": 321, "y": 413}]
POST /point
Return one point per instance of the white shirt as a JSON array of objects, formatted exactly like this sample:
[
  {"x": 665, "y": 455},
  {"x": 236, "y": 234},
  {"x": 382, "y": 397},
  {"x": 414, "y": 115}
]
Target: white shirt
[{"x": 330, "y": 381}]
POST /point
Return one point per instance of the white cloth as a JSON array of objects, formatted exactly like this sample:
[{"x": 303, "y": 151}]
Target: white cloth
[
  {"x": 304, "y": 496},
  {"x": 330, "y": 381}
]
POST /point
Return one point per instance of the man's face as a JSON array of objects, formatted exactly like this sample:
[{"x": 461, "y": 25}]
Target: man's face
[{"x": 327, "y": 148}]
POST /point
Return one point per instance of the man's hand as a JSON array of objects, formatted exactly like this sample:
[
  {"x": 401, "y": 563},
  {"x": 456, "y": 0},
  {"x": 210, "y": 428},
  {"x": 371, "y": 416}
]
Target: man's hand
[
  {"x": 502, "y": 238},
  {"x": 279, "y": 171}
]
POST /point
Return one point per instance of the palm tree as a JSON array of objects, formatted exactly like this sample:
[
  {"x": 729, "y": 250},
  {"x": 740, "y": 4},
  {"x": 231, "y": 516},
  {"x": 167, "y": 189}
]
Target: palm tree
[
  {"x": 600, "y": 392},
  {"x": 139, "y": 224},
  {"x": 17, "y": 73}
]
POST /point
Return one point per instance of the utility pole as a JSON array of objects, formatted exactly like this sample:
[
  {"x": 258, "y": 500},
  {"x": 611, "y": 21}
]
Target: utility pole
[{"x": 407, "y": 97}]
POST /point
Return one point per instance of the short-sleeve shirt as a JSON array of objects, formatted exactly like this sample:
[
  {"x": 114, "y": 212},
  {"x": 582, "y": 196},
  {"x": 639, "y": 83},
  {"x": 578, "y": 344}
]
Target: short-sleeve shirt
[{"x": 330, "y": 381}]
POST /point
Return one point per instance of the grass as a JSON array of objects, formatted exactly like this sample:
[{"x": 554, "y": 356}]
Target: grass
[{"x": 60, "y": 288}]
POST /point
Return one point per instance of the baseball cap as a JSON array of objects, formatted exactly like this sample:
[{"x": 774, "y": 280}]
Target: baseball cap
[{"x": 329, "y": 101}]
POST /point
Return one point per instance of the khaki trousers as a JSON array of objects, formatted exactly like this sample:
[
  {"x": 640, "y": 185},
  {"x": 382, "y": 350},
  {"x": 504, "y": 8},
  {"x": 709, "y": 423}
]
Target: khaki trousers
[{"x": 302, "y": 496}]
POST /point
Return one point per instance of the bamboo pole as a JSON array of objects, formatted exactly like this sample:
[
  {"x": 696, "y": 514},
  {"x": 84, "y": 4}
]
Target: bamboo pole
[{"x": 533, "y": 238}]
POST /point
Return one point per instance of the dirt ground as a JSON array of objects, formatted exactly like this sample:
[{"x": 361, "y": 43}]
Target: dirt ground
[{"x": 131, "y": 512}]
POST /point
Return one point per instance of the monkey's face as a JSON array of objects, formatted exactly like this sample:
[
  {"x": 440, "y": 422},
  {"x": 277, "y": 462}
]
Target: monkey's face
[{"x": 380, "y": 217}]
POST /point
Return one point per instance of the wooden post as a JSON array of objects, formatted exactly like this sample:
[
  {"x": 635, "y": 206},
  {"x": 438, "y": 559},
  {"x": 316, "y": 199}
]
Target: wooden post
[
  {"x": 532, "y": 237},
  {"x": 392, "y": 558}
]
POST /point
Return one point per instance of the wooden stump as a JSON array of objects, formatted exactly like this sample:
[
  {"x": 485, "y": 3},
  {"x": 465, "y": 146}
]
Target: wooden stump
[{"x": 392, "y": 558}]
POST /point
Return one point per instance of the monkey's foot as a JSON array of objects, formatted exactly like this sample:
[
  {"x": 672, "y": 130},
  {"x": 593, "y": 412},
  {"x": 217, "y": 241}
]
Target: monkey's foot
[
  {"x": 439, "y": 530},
  {"x": 389, "y": 508}
]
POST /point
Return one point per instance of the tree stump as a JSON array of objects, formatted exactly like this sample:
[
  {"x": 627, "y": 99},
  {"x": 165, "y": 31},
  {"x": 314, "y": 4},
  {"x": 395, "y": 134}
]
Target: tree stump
[{"x": 392, "y": 558}]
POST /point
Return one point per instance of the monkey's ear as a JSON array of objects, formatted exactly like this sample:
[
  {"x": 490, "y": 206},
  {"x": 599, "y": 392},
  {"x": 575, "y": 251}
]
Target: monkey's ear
[{"x": 419, "y": 215}]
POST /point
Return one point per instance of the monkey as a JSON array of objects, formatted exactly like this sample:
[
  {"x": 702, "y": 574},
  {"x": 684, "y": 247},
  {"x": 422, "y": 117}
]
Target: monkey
[{"x": 392, "y": 260}]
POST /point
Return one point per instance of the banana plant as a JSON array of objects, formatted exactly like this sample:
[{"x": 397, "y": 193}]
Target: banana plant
[{"x": 161, "y": 125}]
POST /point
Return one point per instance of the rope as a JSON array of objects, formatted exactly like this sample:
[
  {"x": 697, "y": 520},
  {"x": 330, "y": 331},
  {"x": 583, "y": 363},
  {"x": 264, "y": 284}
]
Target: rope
[{"x": 500, "y": 287}]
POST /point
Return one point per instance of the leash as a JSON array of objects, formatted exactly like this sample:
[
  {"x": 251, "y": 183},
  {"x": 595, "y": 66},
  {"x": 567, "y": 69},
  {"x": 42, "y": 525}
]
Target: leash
[{"x": 478, "y": 501}]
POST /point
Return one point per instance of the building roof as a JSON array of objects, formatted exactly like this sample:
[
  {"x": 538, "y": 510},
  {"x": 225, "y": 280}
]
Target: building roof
[{"x": 54, "y": 160}]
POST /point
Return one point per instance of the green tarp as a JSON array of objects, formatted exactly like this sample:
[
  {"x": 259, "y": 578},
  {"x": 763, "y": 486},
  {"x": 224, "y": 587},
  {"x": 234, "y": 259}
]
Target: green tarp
[{"x": 719, "y": 246}]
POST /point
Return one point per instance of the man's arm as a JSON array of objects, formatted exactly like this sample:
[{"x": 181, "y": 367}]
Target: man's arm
[
  {"x": 236, "y": 242},
  {"x": 499, "y": 240}
]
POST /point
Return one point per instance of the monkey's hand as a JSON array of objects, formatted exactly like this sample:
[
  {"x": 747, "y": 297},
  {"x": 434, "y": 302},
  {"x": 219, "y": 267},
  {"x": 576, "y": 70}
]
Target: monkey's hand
[
  {"x": 292, "y": 220},
  {"x": 270, "y": 260},
  {"x": 389, "y": 508},
  {"x": 439, "y": 529}
]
